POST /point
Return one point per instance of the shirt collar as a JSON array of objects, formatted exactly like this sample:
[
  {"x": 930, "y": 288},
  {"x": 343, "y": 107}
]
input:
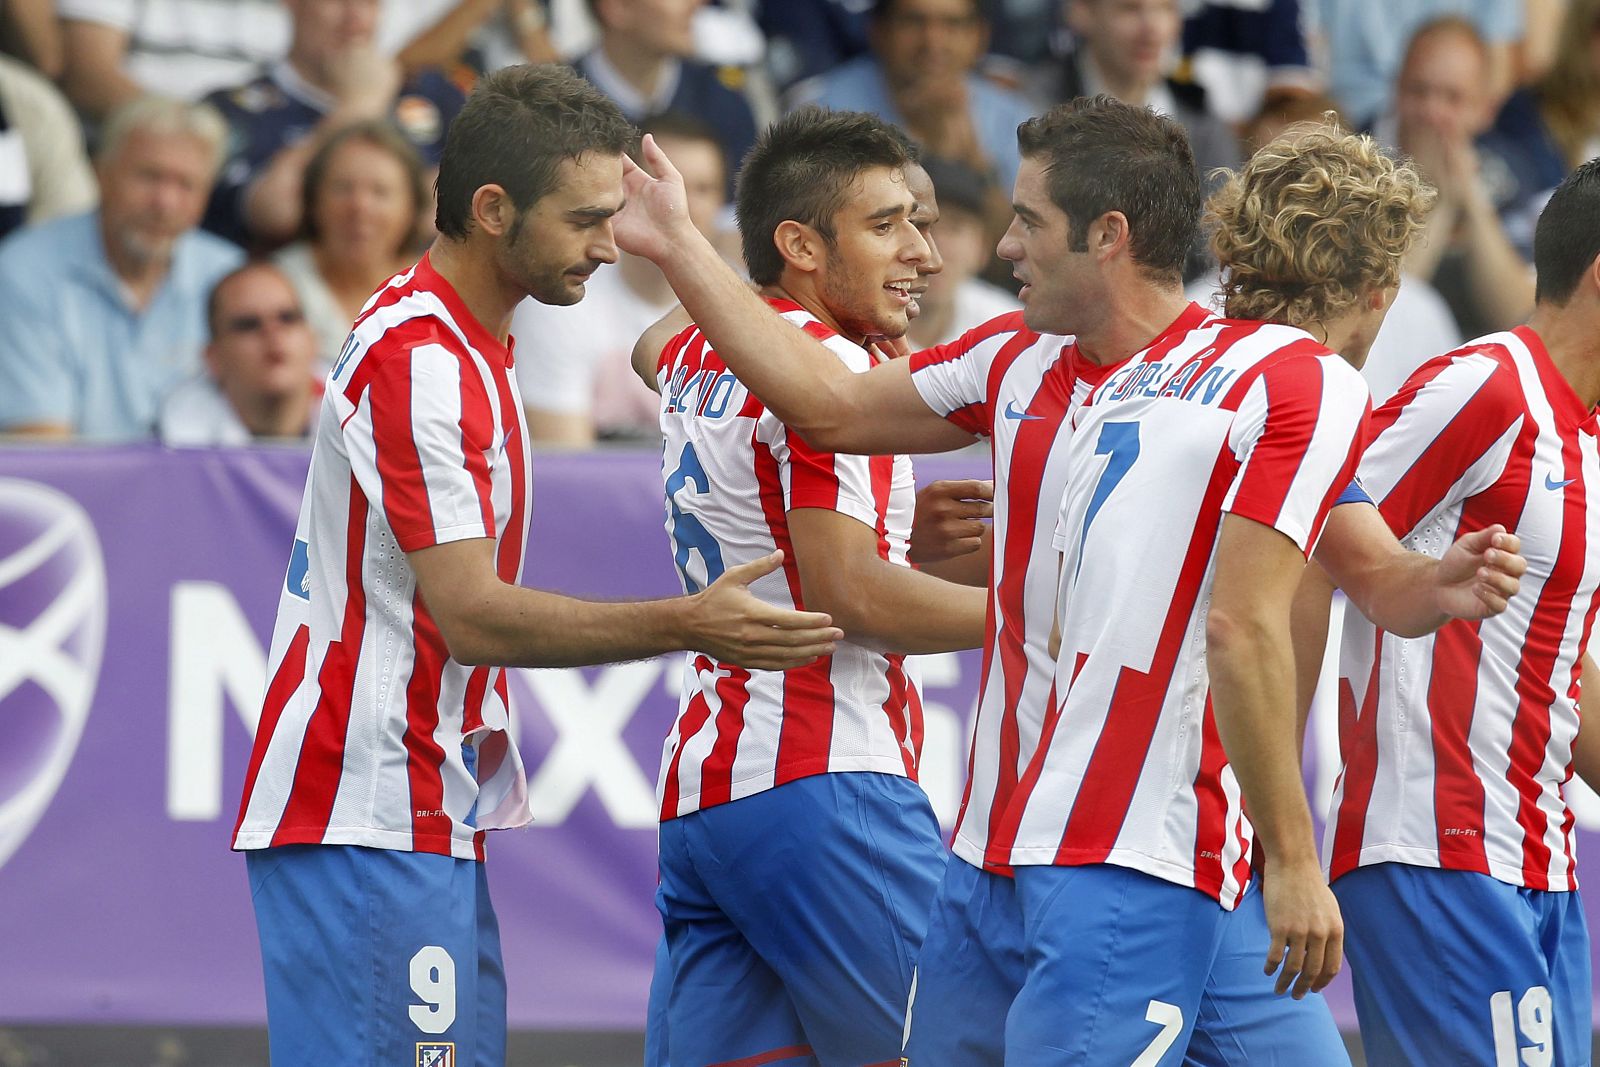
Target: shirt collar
[
  {"x": 1159, "y": 99},
  {"x": 296, "y": 87},
  {"x": 478, "y": 335},
  {"x": 598, "y": 69},
  {"x": 1563, "y": 399}
]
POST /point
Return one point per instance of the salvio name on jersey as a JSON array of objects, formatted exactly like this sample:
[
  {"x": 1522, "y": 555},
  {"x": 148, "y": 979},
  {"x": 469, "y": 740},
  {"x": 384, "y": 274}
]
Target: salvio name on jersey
[
  {"x": 1189, "y": 383},
  {"x": 705, "y": 392}
]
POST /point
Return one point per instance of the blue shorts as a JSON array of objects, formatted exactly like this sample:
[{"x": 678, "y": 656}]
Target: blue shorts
[
  {"x": 1455, "y": 967},
  {"x": 793, "y": 919},
  {"x": 974, "y": 965},
  {"x": 375, "y": 957}
]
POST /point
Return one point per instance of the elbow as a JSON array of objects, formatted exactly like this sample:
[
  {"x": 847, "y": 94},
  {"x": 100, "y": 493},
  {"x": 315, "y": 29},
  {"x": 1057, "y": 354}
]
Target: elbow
[
  {"x": 466, "y": 643},
  {"x": 1230, "y": 632}
]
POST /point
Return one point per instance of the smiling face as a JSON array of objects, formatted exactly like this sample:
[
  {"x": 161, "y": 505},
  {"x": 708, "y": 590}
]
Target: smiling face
[
  {"x": 924, "y": 215},
  {"x": 1057, "y": 280},
  {"x": 551, "y": 249},
  {"x": 869, "y": 269}
]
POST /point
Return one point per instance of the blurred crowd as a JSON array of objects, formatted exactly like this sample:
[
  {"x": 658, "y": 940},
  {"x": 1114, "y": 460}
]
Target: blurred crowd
[{"x": 197, "y": 196}]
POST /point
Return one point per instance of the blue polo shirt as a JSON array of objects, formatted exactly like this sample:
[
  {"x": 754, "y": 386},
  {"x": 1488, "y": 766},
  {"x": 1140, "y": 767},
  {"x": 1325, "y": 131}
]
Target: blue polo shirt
[
  {"x": 73, "y": 350},
  {"x": 280, "y": 108}
]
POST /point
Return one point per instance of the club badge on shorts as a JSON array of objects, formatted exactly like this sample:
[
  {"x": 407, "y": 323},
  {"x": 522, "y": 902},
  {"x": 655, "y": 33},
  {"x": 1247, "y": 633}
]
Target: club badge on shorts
[{"x": 436, "y": 1054}]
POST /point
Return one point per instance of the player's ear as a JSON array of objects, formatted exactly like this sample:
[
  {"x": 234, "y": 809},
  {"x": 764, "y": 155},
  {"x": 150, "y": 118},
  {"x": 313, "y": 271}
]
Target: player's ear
[
  {"x": 800, "y": 246},
  {"x": 1109, "y": 234},
  {"x": 493, "y": 209}
]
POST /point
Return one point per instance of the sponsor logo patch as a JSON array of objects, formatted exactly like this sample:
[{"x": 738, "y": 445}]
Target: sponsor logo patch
[{"x": 436, "y": 1054}]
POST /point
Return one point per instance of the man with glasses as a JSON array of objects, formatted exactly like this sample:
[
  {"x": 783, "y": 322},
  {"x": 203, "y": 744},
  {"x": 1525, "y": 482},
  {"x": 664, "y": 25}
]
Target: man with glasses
[{"x": 259, "y": 379}]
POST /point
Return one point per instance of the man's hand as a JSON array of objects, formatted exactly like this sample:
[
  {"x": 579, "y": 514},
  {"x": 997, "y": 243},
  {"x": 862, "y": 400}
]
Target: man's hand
[
  {"x": 656, "y": 217},
  {"x": 726, "y": 621},
  {"x": 949, "y": 520},
  {"x": 1479, "y": 573},
  {"x": 1307, "y": 930}
]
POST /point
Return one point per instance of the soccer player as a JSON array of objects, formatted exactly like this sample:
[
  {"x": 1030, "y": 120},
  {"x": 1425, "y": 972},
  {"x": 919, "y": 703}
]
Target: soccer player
[
  {"x": 1127, "y": 171},
  {"x": 798, "y": 854},
  {"x": 384, "y": 752},
  {"x": 1450, "y": 839}
]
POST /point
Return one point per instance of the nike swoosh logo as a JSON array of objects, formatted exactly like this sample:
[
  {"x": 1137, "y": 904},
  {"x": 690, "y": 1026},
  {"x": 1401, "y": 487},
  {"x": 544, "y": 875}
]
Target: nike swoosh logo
[
  {"x": 1013, "y": 413},
  {"x": 1551, "y": 484}
]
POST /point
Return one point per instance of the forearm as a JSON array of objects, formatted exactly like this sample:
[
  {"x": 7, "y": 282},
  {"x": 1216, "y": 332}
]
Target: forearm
[
  {"x": 36, "y": 32},
  {"x": 517, "y": 627},
  {"x": 1253, "y": 688},
  {"x": 898, "y": 609},
  {"x": 92, "y": 73},
  {"x": 1500, "y": 279},
  {"x": 1308, "y": 627},
  {"x": 971, "y": 569},
  {"x": 442, "y": 43},
  {"x": 1396, "y": 593}
]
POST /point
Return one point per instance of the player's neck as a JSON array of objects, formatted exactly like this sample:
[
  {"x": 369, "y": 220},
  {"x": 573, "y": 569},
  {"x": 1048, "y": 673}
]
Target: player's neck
[
  {"x": 1342, "y": 335},
  {"x": 808, "y": 299},
  {"x": 1572, "y": 338},
  {"x": 471, "y": 273},
  {"x": 1129, "y": 323}
]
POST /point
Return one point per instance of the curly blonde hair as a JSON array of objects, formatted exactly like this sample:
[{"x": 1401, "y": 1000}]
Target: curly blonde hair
[{"x": 1314, "y": 221}]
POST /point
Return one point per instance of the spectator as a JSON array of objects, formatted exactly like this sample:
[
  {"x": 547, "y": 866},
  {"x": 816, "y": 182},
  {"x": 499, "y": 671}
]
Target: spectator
[
  {"x": 116, "y": 50},
  {"x": 1543, "y": 133},
  {"x": 482, "y": 35},
  {"x": 575, "y": 374},
  {"x": 1244, "y": 54},
  {"x": 1123, "y": 48},
  {"x": 921, "y": 76},
  {"x": 1441, "y": 105},
  {"x": 43, "y": 171},
  {"x": 806, "y": 38},
  {"x": 258, "y": 380},
  {"x": 1366, "y": 41},
  {"x": 334, "y": 75},
  {"x": 957, "y": 299},
  {"x": 642, "y": 63},
  {"x": 101, "y": 314},
  {"x": 361, "y": 199}
]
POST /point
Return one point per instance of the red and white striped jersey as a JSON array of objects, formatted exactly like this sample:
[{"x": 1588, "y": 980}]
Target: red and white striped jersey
[
  {"x": 1248, "y": 418},
  {"x": 733, "y": 472},
  {"x": 1457, "y": 745},
  {"x": 1020, "y": 389},
  {"x": 420, "y": 441}
]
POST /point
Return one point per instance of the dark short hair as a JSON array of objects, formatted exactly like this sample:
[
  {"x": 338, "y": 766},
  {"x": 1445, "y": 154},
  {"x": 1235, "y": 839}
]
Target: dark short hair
[
  {"x": 249, "y": 266},
  {"x": 515, "y": 131},
  {"x": 380, "y": 135},
  {"x": 1103, "y": 155},
  {"x": 884, "y": 8},
  {"x": 1567, "y": 238},
  {"x": 957, "y": 185},
  {"x": 801, "y": 170}
]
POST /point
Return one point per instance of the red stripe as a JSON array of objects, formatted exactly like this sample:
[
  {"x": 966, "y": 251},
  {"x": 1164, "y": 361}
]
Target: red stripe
[
  {"x": 405, "y": 491},
  {"x": 320, "y": 766},
  {"x": 813, "y": 476},
  {"x": 478, "y": 436},
  {"x": 1531, "y": 728},
  {"x": 1358, "y": 744},
  {"x": 689, "y": 723},
  {"x": 291, "y": 672},
  {"x": 716, "y": 773},
  {"x": 1471, "y": 432},
  {"x": 1294, "y": 391},
  {"x": 397, "y": 342},
  {"x": 1030, "y": 453},
  {"x": 1211, "y": 807},
  {"x": 424, "y": 756},
  {"x": 472, "y": 699},
  {"x": 675, "y": 347},
  {"x": 788, "y": 1053}
]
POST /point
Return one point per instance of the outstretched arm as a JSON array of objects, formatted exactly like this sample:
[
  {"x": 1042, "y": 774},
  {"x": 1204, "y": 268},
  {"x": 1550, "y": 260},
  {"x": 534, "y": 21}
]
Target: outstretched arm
[
  {"x": 1411, "y": 594},
  {"x": 799, "y": 380},
  {"x": 485, "y": 620}
]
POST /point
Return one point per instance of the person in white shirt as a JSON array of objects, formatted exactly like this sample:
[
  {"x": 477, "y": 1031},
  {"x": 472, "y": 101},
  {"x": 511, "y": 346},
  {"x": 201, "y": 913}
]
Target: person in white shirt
[{"x": 259, "y": 380}]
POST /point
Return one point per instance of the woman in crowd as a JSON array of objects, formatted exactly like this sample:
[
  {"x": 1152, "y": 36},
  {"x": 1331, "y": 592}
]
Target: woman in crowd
[{"x": 364, "y": 199}]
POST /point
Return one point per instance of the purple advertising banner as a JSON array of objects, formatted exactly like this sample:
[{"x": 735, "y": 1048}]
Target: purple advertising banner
[{"x": 137, "y": 587}]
